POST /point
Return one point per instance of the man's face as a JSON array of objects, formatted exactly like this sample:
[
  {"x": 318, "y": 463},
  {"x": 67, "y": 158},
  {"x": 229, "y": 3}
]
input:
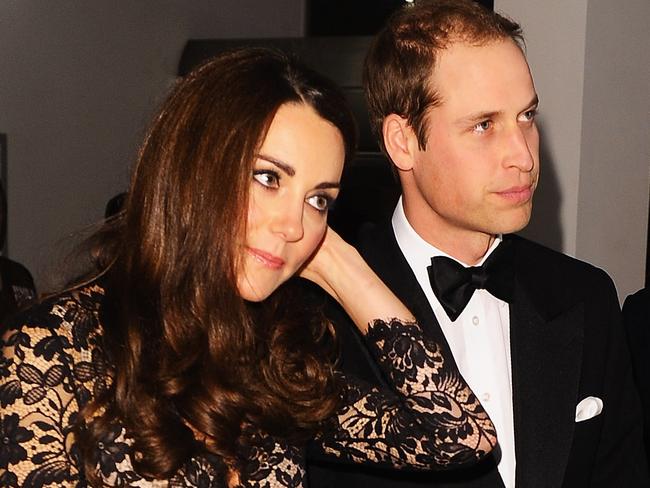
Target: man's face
[{"x": 481, "y": 163}]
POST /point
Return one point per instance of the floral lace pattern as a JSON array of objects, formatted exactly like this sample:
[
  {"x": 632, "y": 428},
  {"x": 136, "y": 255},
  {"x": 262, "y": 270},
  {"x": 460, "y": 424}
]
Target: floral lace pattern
[
  {"x": 435, "y": 422},
  {"x": 52, "y": 363}
]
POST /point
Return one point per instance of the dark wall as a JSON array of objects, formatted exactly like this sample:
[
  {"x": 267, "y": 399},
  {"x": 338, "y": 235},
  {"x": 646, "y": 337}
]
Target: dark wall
[{"x": 350, "y": 18}]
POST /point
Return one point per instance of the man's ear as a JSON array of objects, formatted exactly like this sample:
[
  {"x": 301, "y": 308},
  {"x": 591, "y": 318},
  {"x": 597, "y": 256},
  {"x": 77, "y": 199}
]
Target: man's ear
[{"x": 400, "y": 141}]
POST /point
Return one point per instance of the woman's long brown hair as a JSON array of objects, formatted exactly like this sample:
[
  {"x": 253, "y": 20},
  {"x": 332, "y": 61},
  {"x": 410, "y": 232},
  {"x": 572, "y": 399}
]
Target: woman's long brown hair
[{"x": 187, "y": 353}]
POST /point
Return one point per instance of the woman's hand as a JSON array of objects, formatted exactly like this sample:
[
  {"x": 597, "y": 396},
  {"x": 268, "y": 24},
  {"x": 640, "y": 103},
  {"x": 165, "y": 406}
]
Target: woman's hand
[
  {"x": 323, "y": 267},
  {"x": 338, "y": 268}
]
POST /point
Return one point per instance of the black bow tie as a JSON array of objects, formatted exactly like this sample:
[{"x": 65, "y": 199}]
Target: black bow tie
[{"x": 454, "y": 284}]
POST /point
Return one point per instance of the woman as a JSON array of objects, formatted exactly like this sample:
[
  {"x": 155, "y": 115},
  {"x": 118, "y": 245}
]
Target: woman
[{"x": 188, "y": 360}]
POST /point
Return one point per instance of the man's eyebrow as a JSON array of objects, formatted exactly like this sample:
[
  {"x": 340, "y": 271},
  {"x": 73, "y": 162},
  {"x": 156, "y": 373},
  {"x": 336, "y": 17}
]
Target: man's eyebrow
[
  {"x": 287, "y": 168},
  {"x": 479, "y": 116},
  {"x": 534, "y": 101}
]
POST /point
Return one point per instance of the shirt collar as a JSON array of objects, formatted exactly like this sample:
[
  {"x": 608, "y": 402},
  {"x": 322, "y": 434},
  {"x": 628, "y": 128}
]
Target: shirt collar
[{"x": 419, "y": 252}]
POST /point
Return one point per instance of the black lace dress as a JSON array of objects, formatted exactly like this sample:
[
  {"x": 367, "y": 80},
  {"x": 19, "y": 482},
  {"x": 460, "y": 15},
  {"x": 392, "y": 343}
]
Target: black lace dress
[{"x": 52, "y": 364}]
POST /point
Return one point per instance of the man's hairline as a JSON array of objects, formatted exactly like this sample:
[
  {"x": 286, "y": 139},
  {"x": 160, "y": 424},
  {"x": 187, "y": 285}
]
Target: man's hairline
[{"x": 437, "y": 100}]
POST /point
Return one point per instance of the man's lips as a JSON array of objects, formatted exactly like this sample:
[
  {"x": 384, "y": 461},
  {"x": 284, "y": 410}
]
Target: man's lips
[
  {"x": 517, "y": 194},
  {"x": 267, "y": 259}
]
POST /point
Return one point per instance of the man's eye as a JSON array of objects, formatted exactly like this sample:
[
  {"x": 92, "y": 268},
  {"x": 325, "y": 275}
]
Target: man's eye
[
  {"x": 529, "y": 115},
  {"x": 320, "y": 202},
  {"x": 269, "y": 179},
  {"x": 482, "y": 126}
]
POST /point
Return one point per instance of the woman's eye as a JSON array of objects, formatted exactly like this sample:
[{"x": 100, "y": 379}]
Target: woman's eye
[
  {"x": 320, "y": 202},
  {"x": 482, "y": 126},
  {"x": 269, "y": 179}
]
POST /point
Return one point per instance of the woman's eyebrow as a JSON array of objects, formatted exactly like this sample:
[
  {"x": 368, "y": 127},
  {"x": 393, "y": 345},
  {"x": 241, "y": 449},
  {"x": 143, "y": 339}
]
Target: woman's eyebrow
[
  {"x": 287, "y": 168},
  {"x": 327, "y": 185}
]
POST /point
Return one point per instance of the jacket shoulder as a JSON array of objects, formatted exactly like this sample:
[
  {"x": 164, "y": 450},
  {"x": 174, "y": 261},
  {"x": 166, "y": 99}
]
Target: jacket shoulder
[
  {"x": 640, "y": 299},
  {"x": 559, "y": 280},
  {"x": 550, "y": 262},
  {"x": 636, "y": 309}
]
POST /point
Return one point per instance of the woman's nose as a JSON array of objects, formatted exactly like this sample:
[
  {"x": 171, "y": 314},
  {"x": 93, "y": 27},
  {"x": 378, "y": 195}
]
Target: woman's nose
[{"x": 287, "y": 222}]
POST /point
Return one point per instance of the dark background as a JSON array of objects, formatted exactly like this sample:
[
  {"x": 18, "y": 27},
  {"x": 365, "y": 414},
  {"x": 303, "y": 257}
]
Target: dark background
[{"x": 349, "y": 18}]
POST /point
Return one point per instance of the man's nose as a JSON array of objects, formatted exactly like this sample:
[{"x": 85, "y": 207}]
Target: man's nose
[{"x": 521, "y": 148}]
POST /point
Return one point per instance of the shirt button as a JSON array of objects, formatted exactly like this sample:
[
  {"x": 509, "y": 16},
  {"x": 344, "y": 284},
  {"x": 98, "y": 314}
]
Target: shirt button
[
  {"x": 485, "y": 397},
  {"x": 475, "y": 320}
]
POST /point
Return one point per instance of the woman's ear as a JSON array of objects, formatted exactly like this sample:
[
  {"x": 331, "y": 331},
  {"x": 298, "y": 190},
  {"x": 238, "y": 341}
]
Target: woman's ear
[{"x": 400, "y": 141}]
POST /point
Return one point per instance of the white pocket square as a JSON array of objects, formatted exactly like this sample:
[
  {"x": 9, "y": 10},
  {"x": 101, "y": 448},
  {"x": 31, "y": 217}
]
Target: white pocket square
[{"x": 588, "y": 408}]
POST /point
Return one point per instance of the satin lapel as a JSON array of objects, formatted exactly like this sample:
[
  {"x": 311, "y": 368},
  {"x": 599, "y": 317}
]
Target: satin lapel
[
  {"x": 381, "y": 251},
  {"x": 546, "y": 346}
]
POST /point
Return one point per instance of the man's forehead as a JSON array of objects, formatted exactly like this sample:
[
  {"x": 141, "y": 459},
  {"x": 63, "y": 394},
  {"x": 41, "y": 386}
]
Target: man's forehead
[{"x": 498, "y": 68}]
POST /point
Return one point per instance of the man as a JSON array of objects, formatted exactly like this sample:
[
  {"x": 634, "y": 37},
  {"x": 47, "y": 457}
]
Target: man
[
  {"x": 636, "y": 319},
  {"x": 539, "y": 340}
]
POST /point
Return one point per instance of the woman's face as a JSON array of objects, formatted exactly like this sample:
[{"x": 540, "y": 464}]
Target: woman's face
[{"x": 295, "y": 179}]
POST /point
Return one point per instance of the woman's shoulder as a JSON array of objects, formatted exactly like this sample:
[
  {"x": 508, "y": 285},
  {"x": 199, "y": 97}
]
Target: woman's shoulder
[
  {"x": 51, "y": 363},
  {"x": 72, "y": 315}
]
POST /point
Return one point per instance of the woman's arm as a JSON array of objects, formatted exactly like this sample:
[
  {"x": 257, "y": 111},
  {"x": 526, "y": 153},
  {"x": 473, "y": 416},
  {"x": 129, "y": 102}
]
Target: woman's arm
[
  {"x": 338, "y": 268},
  {"x": 429, "y": 419}
]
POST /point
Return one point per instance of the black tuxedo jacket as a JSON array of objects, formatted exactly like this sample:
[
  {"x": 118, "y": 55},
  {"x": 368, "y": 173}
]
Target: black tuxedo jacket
[
  {"x": 636, "y": 317},
  {"x": 567, "y": 344}
]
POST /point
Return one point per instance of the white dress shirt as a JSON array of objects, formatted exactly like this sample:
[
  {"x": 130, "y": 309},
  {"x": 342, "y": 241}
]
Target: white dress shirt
[{"x": 479, "y": 340}]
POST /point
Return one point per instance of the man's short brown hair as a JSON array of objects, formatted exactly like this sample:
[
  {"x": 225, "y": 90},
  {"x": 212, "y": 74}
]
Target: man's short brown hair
[{"x": 399, "y": 64}]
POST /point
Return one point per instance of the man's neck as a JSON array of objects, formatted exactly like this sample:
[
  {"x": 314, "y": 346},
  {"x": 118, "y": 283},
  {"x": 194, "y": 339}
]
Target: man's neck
[{"x": 466, "y": 246}]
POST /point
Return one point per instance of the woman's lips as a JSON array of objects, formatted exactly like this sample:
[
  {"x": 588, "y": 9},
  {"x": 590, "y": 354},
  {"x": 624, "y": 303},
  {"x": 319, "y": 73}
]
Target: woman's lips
[
  {"x": 517, "y": 194},
  {"x": 267, "y": 259}
]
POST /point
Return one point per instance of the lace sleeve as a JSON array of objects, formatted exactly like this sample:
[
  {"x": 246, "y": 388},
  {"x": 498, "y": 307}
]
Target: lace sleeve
[
  {"x": 269, "y": 462},
  {"x": 36, "y": 404},
  {"x": 429, "y": 420}
]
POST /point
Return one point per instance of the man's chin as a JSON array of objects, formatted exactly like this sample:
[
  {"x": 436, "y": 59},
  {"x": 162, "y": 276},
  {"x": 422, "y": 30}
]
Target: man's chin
[{"x": 514, "y": 225}]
